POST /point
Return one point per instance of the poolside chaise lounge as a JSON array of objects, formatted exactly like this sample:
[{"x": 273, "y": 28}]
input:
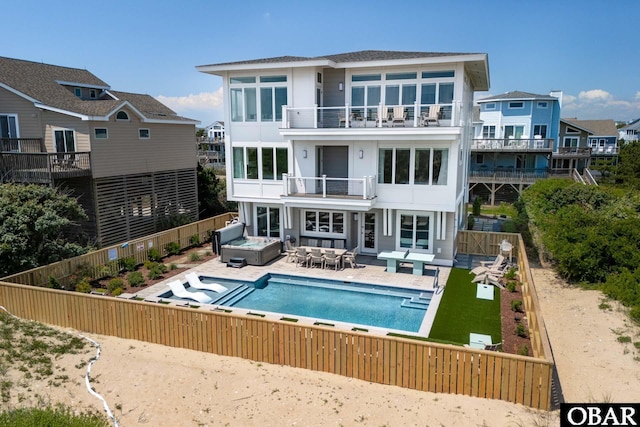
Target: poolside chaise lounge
[
  {"x": 194, "y": 282},
  {"x": 180, "y": 291}
]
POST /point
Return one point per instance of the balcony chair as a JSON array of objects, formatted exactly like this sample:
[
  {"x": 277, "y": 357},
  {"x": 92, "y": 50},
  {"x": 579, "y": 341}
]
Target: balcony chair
[
  {"x": 382, "y": 116},
  {"x": 432, "y": 117},
  {"x": 399, "y": 115},
  {"x": 332, "y": 260}
]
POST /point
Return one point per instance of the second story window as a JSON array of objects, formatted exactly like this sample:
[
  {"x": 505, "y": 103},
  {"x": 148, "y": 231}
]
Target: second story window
[
  {"x": 100, "y": 133},
  {"x": 429, "y": 166},
  {"x": 540, "y": 131},
  {"x": 144, "y": 134},
  {"x": 77, "y": 92},
  {"x": 248, "y": 94},
  {"x": 516, "y": 104},
  {"x": 488, "y": 132},
  {"x": 65, "y": 140},
  {"x": 122, "y": 115}
]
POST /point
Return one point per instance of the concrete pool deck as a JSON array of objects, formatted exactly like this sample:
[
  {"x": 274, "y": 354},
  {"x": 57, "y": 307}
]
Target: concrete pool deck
[{"x": 369, "y": 270}]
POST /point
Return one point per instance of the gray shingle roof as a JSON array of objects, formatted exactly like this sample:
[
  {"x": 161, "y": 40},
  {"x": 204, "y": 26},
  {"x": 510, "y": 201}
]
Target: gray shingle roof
[
  {"x": 605, "y": 127},
  {"x": 359, "y": 56},
  {"x": 516, "y": 94},
  {"x": 41, "y": 82}
]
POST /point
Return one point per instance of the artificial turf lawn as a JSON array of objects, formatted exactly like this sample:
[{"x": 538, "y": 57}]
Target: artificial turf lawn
[{"x": 461, "y": 313}]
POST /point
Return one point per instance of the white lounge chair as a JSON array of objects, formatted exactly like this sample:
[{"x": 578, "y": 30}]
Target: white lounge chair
[
  {"x": 194, "y": 282},
  {"x": 180, "y": 291}
]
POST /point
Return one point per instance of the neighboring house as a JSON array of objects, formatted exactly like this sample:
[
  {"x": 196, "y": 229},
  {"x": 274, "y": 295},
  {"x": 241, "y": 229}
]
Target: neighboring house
[
  {"x": 516, "y": 143},
  {"x": 630, "y": 132},
  {"x": 366, "y": 149},
  {"x": 602, "y": 138},
  {"x": 211, "y": 147},
  {"x": 129, "y": 159}
]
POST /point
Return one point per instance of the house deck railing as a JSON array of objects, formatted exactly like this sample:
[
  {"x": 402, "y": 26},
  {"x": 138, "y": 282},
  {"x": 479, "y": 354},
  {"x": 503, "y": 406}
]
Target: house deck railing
[
  {"x": 572, "y": 152},
  {"x": 507, "y": 175},
  {"x": 324, "y": 186},
  {"x": 43, "y": 167},
  {"x": 608, "y": 150},
  {"x": 512, "y": 144},
  {"x": 22, "y": 145},
  {"x": 376, "y": 116}
]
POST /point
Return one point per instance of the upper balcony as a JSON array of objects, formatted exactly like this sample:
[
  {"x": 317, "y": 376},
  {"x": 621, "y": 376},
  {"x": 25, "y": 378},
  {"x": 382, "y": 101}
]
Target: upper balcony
[
  {"x": 30, "y": 165},
  {"x": 573, "y": 152},
  {"x": 513, "y": 145},
  {"x": 413, "y": 118},
  {"x": 608, "y": 150},
  {"x": 300, "y": 191}
]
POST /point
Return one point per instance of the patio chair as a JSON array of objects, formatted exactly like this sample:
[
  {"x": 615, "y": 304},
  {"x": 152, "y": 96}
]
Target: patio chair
[
  {"x": 290, "y": 251},
  {"x": 194, "y": 282},
  {"x": 350, "y": 257},
  {"x": 493, "y": 347},
  {"x": 488, "y": 279},
  {"x": 432, "y": 117},
  {"x": 316, "y": 257},
  {"x": 399, "y": 116},
  {"x": 302, "y": 257},
  {"x": 331, "y": 260},
  {"x": 178, "y": 289}
]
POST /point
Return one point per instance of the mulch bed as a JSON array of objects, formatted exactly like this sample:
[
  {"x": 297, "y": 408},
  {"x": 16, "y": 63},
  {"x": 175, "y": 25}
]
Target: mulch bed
[
  {"x": 511, "y": 342},
  {"x": 182, "y": 258}
]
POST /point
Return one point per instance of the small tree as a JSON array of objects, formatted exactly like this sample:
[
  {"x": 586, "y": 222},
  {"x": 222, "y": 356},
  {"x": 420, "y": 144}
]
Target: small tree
[{"x": 477, "y": 205}]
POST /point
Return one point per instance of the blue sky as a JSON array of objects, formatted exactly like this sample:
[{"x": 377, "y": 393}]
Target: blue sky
[{"x": 586, "y": 48}]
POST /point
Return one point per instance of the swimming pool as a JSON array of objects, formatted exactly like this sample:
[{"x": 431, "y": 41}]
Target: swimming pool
[{"x": 363, "y": 305}]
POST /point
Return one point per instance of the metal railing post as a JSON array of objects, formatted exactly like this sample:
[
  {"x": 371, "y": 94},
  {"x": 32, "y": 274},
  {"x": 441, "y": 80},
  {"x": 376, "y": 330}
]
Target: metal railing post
[
  {"x": 415, "y": 114},
  {"x": 346, "y": 115},
  {"x": 315, "y": 116},
  {"x": 285, "y": 183},
  {"x": 324, "y": 185},
  {"x": 285, "y": 118}
]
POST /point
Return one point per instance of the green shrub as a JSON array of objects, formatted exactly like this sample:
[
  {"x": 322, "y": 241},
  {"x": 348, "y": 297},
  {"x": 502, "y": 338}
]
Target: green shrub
[
  {"x": 195, "y": 257},
  {"x": 53, "y": 283},
  {"x": 53, "y": 417},
  {"x": 521, "y": 331},
  {"x": 624, "y": 339},
  {"x": 173, "y": 266},
  {"x": 516, "y": 305},
  {"x": 172, "y": 248},
  {"x": 83, "y": 286},
  {"x": 114, "y": 284},
  {"x": 511, "y": 274},
  {"x": 471, "y": 220},
  {"x": 194, "y": 240},
  {"x": 117, "y": 291},
  {"x": 477, "y": 206},
  {"x": 103, "y": 271},
  {"x": 511, "y": 285},
  {"x": 634, "y": 313},
  {"x": 85, "y": 270},
  {"x": 523, "y": 350},
  {"x": 208, "y": 253},
  {"x": 156, "y": 271},
  {"x": 154, "y": 255},
  {"x": 135, "y": 279},
  {"x": 128, "y": 264}
]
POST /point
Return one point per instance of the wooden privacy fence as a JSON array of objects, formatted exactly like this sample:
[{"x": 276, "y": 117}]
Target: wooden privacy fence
[
  {"x": 138, "y": 249},
  {"x": 380, "y": 359}
]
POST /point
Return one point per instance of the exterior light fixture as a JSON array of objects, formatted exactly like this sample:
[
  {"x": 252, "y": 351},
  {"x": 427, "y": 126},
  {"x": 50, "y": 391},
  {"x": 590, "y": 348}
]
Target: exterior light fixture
[
  {"x": 340, "y": 86},
  {"x": 361, "y": 154},
  {"x": 304, "y": 154}
]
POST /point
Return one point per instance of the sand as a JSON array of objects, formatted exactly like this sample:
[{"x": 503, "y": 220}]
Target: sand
[{"x": 153, "y": 385}]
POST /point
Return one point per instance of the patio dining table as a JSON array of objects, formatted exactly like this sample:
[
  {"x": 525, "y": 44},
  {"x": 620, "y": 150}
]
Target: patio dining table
[{"x": 323, "y": 251}]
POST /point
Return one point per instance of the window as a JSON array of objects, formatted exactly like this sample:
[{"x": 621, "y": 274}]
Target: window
[
  {"x": 414, "y": 231},
  {"x": 488, "y": 132},
  {"x": 490, "y": 106},
  {"x": 143, "y": 134},
  {"x": 272, "y": 99},
  {"x": 543, "y": 104},
  {"x": 274, "y": 159},
  {"x": 516, "y": 104},
  {"x": 572, "y": 130},
  {"x": 512, "y": 131},
  {"x": 430, "y": 166},
  {"x": 249, "y": 79},
  {"x": 122, "y": 115},
  {"x": 402, "y": 76},
  {"x": 366, "y": 77},
  {"x": 238, "y": 162},
  {"x": 252, "y": 163},
  {"x": 479, "y": 159},
  {"x": 101, "y": 133},
  {"x": 540, "y": 130},
  {"x": 571, "y": 141},
  {"x": 437, "y": 74},
  {"x": 78, "y": 92},
  {"x": 324, "y": 223},
  {"x": 65, "y": 140},
  {"x": 92, "y": 94},
  {"x": 268, "y": 221},
  {"x": 319, "y": 78},
  {"x": 243, "y": 104},
  {"x": 9, "y": 129}
]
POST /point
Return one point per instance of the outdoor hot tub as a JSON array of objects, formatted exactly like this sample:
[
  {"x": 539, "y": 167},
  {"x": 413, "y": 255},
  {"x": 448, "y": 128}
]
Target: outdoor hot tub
[{"x": 230, "y": 242}]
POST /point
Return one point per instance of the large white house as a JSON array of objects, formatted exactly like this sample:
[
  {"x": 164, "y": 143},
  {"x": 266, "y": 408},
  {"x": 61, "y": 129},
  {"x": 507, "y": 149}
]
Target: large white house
[{"x": 366, "y": 149}]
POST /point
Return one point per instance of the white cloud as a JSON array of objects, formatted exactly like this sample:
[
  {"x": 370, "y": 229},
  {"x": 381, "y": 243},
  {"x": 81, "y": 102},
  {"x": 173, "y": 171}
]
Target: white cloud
[
  {"x": 595, "y": 95},
  {"x": 201, "y": 101},
  {"x": 600, "y": 104}
]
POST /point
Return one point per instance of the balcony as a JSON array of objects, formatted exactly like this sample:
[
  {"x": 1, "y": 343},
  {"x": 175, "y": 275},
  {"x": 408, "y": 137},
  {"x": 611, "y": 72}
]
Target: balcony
[
  {"x": 358, "y": 118},
  {"x": 507, "y": 176},
  {"x": 609, "y": 150},
  {"x": 573, "y": 152},
  {"x": 43, "y": 168},
  {"x": 513, "y": 145},
  {"x": 354, "y": 193}
]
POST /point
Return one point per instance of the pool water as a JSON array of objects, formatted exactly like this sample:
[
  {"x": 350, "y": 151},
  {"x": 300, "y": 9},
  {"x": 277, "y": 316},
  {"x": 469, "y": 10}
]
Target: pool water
[{"x": 360, "y": 304}]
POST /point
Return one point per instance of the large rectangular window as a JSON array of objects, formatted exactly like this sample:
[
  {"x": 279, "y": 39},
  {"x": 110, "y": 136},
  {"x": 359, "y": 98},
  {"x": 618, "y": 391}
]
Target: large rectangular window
[
  {"x": 540, "y": 130},
  {"x": 8, "y": 127},
  {"x": 422, "y": 163},
  {"x": 512, "y": 131},
  {"x": 488, "y": 132},
  {"x": 419, "y": 166},
  {"x": 274, "y": 163},
  {"x": 414, "y": 231},
  {"x": 440, "y": 166},
  {"x": 65, "y": 141},
  {"x": 385, "y": 166},
  {"x": 324, "y": 223},
  {"x": 282, "y": 162},
  {"x": 402, "y": 166},
  {"x": 267, "y": 163},
  {"x": 238, "y": 162},
  {"x": 252, "y": 163}
]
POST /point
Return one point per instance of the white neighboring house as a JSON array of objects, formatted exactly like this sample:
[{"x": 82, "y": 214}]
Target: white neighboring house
[
  {"x": 630, "y": 132},
  {"x": 341, "y": 148},
  {"x": 211, "y": 147}
]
